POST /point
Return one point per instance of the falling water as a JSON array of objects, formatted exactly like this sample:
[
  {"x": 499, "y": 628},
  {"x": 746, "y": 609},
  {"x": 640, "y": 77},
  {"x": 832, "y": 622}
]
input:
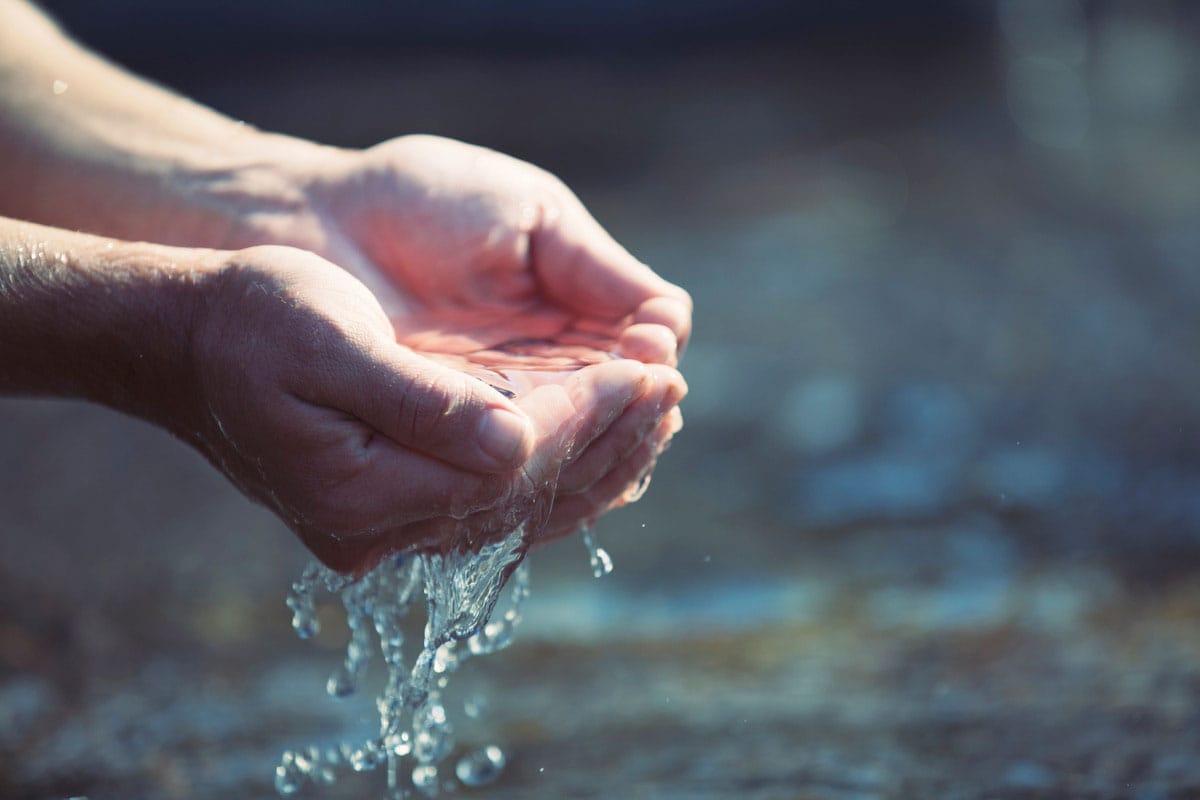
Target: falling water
[
  {"x": 461, "y": 590},
  {"x": 597, "y": 556}
]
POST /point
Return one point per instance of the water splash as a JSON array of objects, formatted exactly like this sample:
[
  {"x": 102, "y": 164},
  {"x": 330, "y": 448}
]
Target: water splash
[
  {"x": 598, "y": 557},
  {"x": 461, "y": 590},
  {"x": 480, "y": 767},
  {"x": 475, "y": 705}
]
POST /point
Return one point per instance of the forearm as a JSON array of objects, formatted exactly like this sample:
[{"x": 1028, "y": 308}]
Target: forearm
[
  {"x": 98, "y": 319},
  {"x": 87, "y": 146}
]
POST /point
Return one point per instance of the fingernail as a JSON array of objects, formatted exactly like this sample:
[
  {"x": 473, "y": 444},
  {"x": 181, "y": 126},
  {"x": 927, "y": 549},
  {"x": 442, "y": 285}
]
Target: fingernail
[{"x": 501, "y": 435}]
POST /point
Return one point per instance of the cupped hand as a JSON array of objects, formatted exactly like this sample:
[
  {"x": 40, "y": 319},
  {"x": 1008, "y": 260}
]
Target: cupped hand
[
  {"x": 364, "y": 445},
  {"x": 494, "y": 268},
  {"x": 438, "y": 227}
]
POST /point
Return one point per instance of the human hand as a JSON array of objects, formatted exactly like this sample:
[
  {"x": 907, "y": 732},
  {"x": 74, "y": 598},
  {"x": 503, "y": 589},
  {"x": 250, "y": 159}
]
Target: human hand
[
  {"x": 471, "y": 254},
  {"x": 474, "y": 255},
  {"x": 432, "y": 224},
  {"x": 306, "y": 401}
]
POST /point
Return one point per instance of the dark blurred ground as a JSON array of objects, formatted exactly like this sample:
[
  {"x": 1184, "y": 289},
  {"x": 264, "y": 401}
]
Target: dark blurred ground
[{"x": 933, "y": 529}]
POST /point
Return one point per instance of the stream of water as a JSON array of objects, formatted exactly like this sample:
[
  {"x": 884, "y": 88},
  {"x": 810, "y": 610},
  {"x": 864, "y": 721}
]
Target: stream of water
[{"x": 461, "y": 591}]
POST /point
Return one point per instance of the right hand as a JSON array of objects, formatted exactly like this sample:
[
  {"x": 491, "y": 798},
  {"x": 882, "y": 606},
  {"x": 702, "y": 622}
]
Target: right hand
[{"x": 364, "y": 446}]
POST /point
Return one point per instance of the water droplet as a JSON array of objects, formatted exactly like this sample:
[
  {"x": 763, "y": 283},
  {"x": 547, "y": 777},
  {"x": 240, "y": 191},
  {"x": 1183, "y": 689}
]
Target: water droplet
[
  {"x": 600, "y": 560},
  {"x": 475, "y": 705},
  {"x": 290, "y": 774},
  {"x": 366, "y": 758},
  {"x": 306, "y": 627},
  {"x": 446, "y": 659},
  {"x": 602, "y": 565},
  {"x": 399, "y": 743},
  {"x": 480, "y": 767},
  {"x": 341, "y": 683},
  {"x": 431, "y": 745},
  {"x": 635, "y": 494},
  {"x": 286, "y": 784},
  {"x": 425, "y": 778}
]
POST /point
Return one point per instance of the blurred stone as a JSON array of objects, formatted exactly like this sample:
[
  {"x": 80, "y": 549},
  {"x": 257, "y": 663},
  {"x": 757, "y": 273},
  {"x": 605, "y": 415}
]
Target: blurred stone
[
  {"x": 1049, "y": 102},
  {"x": 26, "y": 702},
  {"x": 864, "y": 186},
  {"x": 821, "y": 415},
  {"x": 1023, "y": 476},
  {"x": 1028, "y": 775},
  {"x": 929, "y": 418},
  {"x": 889, "y": 485}
]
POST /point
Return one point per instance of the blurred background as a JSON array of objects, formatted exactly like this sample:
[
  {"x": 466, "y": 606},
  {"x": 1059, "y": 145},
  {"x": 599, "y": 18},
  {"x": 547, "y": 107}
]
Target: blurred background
[{"x": 933, "y": 526}]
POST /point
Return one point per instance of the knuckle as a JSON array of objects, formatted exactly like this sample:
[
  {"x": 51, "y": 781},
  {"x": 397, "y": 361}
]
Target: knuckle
[{"x": 428, "y": 407}]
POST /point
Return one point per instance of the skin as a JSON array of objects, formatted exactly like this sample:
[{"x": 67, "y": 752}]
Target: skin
[{"x": 316, "y": 320}]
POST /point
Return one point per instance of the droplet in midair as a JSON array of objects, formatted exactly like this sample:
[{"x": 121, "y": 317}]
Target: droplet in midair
[
  {"x": 425, "y": 778},
  {"x": 480, "y": 767},
  {"x": 289, "y": 775},
  {"x": 341, "y": 683},
  {"x": 475, "y": 705},
  {"x": 600, "y": 560}
]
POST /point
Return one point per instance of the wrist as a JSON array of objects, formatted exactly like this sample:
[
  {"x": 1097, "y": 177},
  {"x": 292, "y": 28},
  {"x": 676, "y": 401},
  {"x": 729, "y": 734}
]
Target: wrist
[
  {"x": 159, "y": 297},
  {"x": 242, "y": 189},
  {"x": 103, "y": 320}
]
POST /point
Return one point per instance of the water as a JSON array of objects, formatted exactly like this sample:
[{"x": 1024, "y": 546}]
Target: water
[
  {"x": 461, "y": 590},
  {"x": 475, "y": 705},
  {"x": 597, "y": 556},
  {"x": 480, "y": 767}
]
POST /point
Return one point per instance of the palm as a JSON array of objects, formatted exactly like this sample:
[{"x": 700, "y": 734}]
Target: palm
[{"x": 474, "y": 257}]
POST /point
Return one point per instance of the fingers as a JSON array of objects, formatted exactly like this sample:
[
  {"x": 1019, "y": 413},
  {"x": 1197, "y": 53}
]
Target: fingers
[
  {"x": 623, "y": 484},
  {"x": 568, "y": 417},
  {"x": 652, "y": 344},
  {"x": 599, "y": 454},
  {"x": 396, "y": 501},
  {"x": 348, "y": 491},
  {"x": 585, "y": 269},
  {"x": 361, "y": 495},
  {"x": 349, "y": 479},
  {"x": 463, "y": 509},
  {"x": 426, "y": 406},
  {"x": 673, "y": 313}
]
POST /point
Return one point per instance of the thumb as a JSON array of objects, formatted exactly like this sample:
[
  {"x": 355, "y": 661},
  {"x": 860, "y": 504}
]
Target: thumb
[{"x": 429, "y": 407}]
